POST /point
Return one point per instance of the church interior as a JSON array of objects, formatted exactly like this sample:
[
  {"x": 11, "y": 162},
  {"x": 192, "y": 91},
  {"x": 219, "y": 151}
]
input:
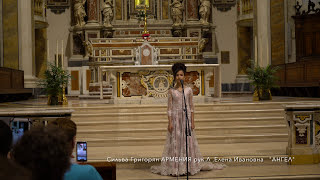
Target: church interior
[{"x": 253, "y": 67}]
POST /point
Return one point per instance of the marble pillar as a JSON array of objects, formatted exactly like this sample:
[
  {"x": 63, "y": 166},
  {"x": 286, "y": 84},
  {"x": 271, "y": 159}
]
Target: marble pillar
[
  {"x": 92, "y": 10},
  {"x": 26, "y": 43},
  {"x": 263, "y": 33},
  {"x": 192, "y": 10}
]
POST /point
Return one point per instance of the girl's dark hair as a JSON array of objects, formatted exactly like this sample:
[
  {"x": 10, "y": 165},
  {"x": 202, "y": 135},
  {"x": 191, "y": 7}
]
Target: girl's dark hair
[{"x": 176, "y": 68}]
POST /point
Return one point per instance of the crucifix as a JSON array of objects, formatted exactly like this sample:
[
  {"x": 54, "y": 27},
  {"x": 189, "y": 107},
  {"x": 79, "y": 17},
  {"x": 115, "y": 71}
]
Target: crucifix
[{"x": 145, "y": 31}]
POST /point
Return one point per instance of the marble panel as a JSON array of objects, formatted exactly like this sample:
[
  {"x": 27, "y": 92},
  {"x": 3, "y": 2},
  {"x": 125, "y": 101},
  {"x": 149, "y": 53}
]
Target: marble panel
[
  {"x": 165, "y": 9},
  {"x": 135, "y": 32},
  {"x": 191, "y": 81},
  {"x": 146, "y": 55},
  {"x": 92, "y": 35},
  {"x": 302, "y": 139},
  {"x": 92, "y": 10},
  {"x": 131, "y": 84},
  {"x": 121, "y": 52},
  {"x": 88, "y": 78},
  {"x": 169, "y": 51},
  {"x": 96, "y": 53},
  {"x": 194, "y": 34},
  {"x": 192, "y": 10},
  {"x": 74, "y": 80},
  {"x": 118, "y": 8}
]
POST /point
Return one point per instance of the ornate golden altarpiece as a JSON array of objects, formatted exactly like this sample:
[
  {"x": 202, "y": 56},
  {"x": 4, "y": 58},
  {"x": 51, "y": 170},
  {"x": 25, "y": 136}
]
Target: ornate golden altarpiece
[{"x": 106, "y": 47}]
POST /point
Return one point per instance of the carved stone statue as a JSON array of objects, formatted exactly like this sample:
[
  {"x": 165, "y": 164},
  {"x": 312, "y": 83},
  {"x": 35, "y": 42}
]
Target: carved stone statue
[
  {"x": 177, "y": 12},
  {"x": 89, "y": 48},
  {"x": 202, "y": 44},
  {"x": 204, "y": 11},
  {"x": 107, "y": 11},
  {"x": 79, "y": 12}
]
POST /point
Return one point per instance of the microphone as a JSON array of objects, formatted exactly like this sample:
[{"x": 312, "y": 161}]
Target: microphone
[{"x": 181, "y": 81}]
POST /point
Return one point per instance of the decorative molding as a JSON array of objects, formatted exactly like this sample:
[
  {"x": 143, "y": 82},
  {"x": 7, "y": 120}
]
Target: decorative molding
[
  {"x": 58, "y": 6},
  {"x": 302, "y": 128},
  {"x": 224, "y": 5}
]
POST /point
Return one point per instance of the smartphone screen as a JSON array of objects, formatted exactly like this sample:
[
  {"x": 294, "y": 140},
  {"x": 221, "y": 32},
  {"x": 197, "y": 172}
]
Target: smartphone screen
[
  {"x": 18, "y": 129},
  {"x": 81, "y": 151}
]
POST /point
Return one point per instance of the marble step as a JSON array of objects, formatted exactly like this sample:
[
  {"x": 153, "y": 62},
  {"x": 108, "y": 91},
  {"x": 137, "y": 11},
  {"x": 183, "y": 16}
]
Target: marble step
[
  {"x": 207, "y": 150},
  {"x": 163, "y": 108},
  {"x": 94, "y": 96},
  {"x": 214, "y": 131},
  {"x": 163, "y": 115},
  {"x": 202, "y": 139},
  {"x": 109, "y": 124},
  {"x": 98, "y": 93}
]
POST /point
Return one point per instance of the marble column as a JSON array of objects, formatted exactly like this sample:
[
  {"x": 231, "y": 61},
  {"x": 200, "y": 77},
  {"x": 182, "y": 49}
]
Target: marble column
[
  {"x": 92, "y": 10},
  {"x": 192, "y": 10},
  {"x": 26, "y": 43},
  {"x": 264, "y": 33}
]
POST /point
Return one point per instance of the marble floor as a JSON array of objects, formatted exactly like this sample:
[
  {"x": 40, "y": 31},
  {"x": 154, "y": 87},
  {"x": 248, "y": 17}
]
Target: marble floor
[{"x": 234, "y": 171}]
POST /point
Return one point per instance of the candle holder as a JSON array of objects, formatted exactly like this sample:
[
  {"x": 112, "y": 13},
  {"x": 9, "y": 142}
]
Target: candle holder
[{"x": 64, "y": 97}]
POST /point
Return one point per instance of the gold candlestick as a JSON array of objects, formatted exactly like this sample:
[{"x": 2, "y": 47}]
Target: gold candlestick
[{"x": 64, "y": 98}]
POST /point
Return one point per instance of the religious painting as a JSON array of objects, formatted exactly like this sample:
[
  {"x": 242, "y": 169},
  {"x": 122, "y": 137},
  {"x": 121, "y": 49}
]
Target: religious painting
[
  {"x": 139, "y": 4},
  {"x": 57, "y": 6}
]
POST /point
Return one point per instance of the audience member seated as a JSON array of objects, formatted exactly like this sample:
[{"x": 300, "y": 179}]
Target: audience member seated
[
  {"x": 76, "y": 172},
  {"x": 5, "y": 139},
  {"x": 44, "y": 152}
]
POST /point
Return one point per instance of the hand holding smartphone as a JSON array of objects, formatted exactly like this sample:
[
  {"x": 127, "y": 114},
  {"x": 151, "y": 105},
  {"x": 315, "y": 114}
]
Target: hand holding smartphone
[{"x": 81, "y": 151}]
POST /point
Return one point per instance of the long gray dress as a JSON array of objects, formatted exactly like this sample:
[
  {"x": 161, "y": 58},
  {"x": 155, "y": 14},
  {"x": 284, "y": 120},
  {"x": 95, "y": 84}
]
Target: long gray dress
[{"x": 175, "y": 147}]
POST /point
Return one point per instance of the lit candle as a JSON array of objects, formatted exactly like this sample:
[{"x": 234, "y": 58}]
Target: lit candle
[
  {"x": 57, "y": 54},
  {"x": 48, "y": 55},
  {"x": 62, "y": 54}
]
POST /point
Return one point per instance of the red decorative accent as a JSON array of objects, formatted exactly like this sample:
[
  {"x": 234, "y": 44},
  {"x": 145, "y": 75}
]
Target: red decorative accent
[{"x": 146, "y": 36}]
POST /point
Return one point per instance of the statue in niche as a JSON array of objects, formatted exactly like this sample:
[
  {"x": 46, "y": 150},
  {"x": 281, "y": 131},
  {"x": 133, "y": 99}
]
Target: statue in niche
[
  {"x": 204, "y": 11},
  {"x": 177, "y": 12},
  {"x": 107, "y": 11},
  {"x": 79, "y": 12}
]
